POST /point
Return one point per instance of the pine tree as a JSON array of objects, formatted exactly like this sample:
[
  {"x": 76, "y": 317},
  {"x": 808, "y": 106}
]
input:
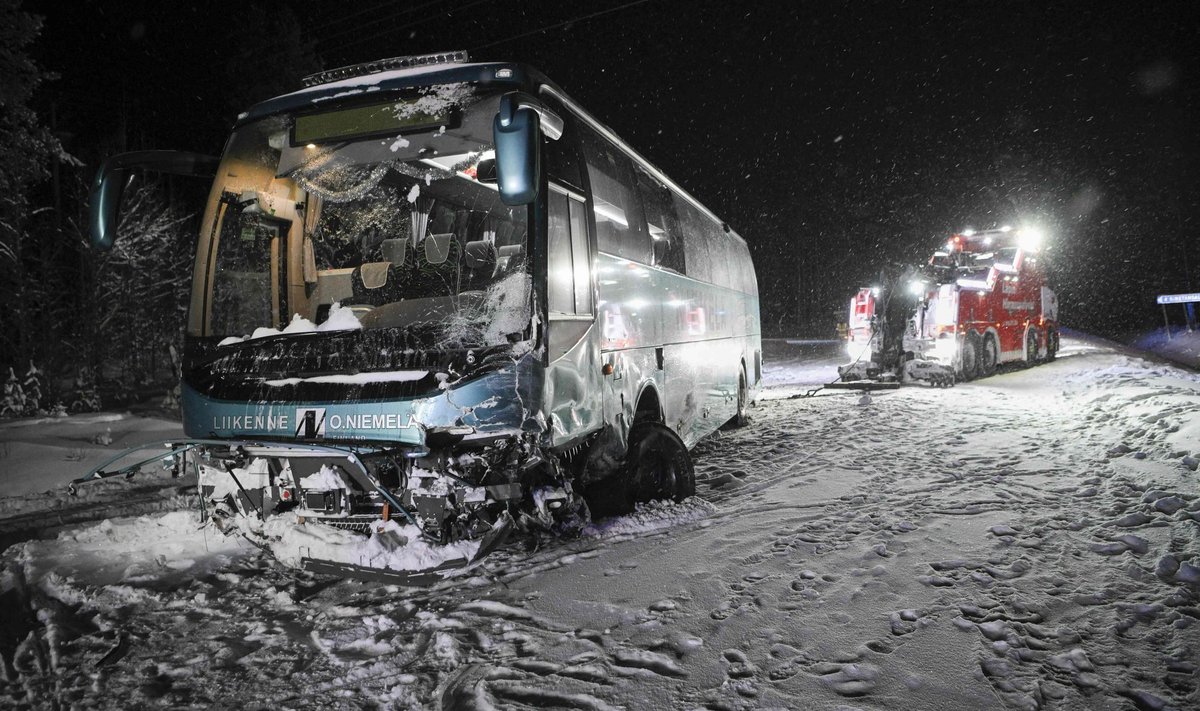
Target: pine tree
[{"x": 27, "y": 148}]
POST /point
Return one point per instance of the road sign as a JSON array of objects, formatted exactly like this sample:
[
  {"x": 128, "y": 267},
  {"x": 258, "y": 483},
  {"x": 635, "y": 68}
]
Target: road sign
[{"x": 1178, "y": 298}]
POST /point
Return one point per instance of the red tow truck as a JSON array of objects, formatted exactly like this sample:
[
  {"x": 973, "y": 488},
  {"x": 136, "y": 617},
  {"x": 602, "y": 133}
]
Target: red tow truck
[{"x": 981, "y": 301}]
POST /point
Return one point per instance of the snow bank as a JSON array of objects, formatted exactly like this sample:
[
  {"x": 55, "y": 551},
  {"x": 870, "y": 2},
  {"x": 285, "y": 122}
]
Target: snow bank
[
  {"x": 1183, "y": 347},
  {"x": 152, "y": 550}
]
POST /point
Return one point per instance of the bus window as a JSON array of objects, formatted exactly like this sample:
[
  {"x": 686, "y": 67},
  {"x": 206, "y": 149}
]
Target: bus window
[
  {"x": 568, "y": 273},
  {"x": 696, "y": 228},
  {"x": 561, "y": 161},
  {"x": 665, "y": 237},
  {"x": 560, "y": 270},
  {"x": 579, "y": 252},
  {"x": 246, "y": 291},
  {"x": 618, "y": 216}
]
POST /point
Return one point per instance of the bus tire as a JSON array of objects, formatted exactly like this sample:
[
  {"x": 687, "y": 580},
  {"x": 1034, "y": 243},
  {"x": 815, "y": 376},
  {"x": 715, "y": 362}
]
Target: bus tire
[
  {"x": 989, "y": 356},
  {"x": 969, "y": 357},
  {"x": 1031, "y": 347},
  {"x": 1051, "y": 343},
  {"x": 658, "y": 465}
]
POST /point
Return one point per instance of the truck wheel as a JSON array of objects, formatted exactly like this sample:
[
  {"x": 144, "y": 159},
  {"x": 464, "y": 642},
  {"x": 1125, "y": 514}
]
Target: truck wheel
[
  {"x": 1051, "y": 343},
  {"x": 989, "y": 356},
  {"x": 658, "y": 465},
  {"x": 969, "y": 357},
  {"x": 1031, "y": 347}
]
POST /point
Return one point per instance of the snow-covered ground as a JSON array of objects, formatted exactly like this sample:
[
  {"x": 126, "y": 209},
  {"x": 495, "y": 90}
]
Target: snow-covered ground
[
  {"x": 1183, "y": 346},
  {"x": 1025, "y": 541}
]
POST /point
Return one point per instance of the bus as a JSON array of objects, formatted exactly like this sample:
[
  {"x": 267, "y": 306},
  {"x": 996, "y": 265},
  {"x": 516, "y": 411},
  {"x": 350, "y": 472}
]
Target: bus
[{"x": 444, "y": 293}]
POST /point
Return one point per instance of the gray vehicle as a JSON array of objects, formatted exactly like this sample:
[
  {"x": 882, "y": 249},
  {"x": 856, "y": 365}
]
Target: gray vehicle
[{"x": 455, "y": 290}]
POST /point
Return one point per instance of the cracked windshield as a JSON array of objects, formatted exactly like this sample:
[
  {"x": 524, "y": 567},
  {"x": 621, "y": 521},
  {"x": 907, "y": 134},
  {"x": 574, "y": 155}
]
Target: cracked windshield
[{"x": 368, "y": 217}]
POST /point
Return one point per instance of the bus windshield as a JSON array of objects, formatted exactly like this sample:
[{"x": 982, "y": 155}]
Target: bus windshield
[{"x": 385, "y": 230}]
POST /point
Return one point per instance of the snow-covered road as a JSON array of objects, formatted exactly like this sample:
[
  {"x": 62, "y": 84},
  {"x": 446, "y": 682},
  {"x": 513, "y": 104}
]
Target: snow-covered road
[{"x": 1027, "y": 541}]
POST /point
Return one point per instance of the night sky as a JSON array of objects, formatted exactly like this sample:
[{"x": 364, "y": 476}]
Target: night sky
[{"x": 837, "y": 137}]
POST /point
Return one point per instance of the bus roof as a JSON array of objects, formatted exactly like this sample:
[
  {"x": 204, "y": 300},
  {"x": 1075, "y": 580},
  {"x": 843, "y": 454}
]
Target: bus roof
[{"x": 491, "y": 74}]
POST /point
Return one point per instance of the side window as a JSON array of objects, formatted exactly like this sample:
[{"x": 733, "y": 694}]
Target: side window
[
  {"x": 562, "y": 160},
  {"x": 568, "y": 271},
  {"x": 560, "y": 275},
  {"x": 666, "y": 240},
  {"x": 695, "y": 227},
  {"x": 580, "y": 257},
  {"x": 723, "y": 260},
  {"x": 618, "y": 214}
]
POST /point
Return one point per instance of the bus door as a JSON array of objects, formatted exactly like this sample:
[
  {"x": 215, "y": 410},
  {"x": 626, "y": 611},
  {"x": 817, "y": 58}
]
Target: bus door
[
  {"x": 573, "y": 373},
  {"x": 250, "y": 271}
]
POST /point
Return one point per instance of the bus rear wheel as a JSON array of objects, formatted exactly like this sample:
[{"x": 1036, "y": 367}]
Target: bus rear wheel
[{"x": 1051, "y": 343}]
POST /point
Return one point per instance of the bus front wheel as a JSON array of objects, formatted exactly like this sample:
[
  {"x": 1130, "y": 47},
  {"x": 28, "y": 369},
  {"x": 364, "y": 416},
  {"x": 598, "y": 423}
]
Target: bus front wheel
[{"x": 657, "y": 466}]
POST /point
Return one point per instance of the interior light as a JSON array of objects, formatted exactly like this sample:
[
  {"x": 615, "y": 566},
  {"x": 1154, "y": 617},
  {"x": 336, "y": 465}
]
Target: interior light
[
  {"x": 968, "y": 232},
  {"x": 1006, "y": 228}
]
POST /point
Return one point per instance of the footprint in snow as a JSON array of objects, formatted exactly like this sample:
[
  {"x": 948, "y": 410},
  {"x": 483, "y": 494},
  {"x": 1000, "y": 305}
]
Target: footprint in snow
[
  {"x": 857, "y": 679},
  {"x": 740, "y": 666}
]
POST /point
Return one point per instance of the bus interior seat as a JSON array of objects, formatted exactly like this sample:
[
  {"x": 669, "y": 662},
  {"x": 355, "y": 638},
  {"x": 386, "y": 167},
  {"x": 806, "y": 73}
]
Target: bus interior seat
[
  {"x": 437, "y": 247},
  {"x": 395, "y": 251},
  {"x": 479, "y": 264},
  {"x": 505, "y": 254},
  {"x": 436, "y": 270},
  {"x": 374, "y": 275},
  {"x": 375, "y": 283}
]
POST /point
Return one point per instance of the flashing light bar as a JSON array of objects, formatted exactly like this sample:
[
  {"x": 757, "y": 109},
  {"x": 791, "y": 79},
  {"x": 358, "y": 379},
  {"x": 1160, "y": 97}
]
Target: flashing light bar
[{"x": 384, "y": 65}]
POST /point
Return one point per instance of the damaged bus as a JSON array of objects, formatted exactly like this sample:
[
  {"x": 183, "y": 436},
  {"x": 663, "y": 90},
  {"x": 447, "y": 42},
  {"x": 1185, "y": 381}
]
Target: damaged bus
[{"x": 443, "y": 294}]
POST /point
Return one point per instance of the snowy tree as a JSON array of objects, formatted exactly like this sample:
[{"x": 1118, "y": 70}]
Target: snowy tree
[
  {"x": 27, "y": 147},
  {"x": 12, "y": 398},
  {"x": 139, "y": 300},
  {"x": 85, "y": 398}
]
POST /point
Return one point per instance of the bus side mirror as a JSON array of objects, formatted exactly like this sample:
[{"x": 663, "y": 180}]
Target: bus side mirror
[
  {"x": 518, "y": 160},
  {"x": 105, "y": 201}
]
